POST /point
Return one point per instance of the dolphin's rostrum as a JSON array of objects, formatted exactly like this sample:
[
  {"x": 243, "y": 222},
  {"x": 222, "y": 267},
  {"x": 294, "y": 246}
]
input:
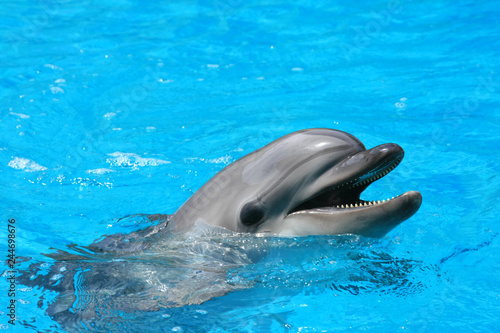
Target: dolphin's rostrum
[{"x": 306, "y": 183}]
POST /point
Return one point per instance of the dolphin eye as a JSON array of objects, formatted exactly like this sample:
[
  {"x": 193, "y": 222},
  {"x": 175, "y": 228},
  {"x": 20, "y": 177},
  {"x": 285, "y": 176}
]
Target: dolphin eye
[{"x": 252, "y": 213}]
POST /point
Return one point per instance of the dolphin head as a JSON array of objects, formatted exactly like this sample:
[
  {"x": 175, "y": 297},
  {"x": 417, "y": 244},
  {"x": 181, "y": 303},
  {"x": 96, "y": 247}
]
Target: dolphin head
[{"x": 306, "y": 183}]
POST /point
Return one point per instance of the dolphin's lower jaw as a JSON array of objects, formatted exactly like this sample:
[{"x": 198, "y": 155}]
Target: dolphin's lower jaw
[
  {"x": 374, "y": 220},
  {"x": 339, "y": 209}
]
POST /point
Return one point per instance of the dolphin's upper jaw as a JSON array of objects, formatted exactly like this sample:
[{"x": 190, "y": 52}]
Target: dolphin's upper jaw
[
  {"x": 343, "y": 199},
  {"x": 352, "y": 177},
  {"x": 348, "y": 194}
]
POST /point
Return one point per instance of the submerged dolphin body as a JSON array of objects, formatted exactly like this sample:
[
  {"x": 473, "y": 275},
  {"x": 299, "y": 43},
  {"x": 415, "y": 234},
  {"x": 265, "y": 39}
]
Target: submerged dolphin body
[{"x": 306, "y": 183}]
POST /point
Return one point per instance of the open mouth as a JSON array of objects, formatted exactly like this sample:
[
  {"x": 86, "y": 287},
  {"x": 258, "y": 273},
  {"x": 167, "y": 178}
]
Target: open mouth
[{"x": 346, "y": 195}]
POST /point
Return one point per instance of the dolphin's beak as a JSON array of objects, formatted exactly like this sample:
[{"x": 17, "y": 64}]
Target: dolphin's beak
[{"x": 334, "y": 198}]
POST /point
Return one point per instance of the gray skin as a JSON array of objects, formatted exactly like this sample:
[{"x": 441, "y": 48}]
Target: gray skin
[{"x": 305, "y": 183}]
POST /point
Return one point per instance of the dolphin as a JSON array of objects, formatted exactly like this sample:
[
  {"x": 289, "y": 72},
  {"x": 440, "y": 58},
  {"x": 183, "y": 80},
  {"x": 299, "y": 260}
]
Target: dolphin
[{"x": 306, "y": 183}]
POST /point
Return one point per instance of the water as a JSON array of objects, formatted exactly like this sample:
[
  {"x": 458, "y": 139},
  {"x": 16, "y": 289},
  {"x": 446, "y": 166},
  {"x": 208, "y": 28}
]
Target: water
[{"x": 113, "y": 108}]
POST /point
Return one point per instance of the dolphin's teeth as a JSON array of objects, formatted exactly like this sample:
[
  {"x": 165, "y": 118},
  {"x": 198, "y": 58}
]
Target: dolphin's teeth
[
  {"x": 342, "y": 206},
  {"x": 356, "y": 205},
  {"x": 383, "y": 200}
]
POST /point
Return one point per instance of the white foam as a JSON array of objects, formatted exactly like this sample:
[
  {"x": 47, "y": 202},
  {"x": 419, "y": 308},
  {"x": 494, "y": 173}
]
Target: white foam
[
  {"x": 100, "y": 171},
  {"x": 53, "y": 67},
  {"x": 133, "y": 160},
  {"x": 25, "y": 164},
  {"x": 57, "y": 90},
  {"x": 20, "y": 115}
]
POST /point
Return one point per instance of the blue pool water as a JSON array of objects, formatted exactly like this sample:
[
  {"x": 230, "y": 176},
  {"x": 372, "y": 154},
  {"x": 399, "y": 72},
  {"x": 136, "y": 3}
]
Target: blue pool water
[{"x": 115, "y": 108}]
